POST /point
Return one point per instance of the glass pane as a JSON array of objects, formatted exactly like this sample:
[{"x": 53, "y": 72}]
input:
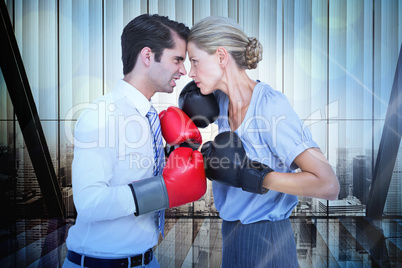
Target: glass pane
[
  {"x": 29, "y": 199},
  {"x": 132, "y": 9},
  {"x": 350, "y": 58},
  {"x": 350, "y": 147},
  {"x": 203, "y": 9},
  {"x": 393, "y": 204},
  {"x": 387, "y": 45},
  {"x": 66, "y": 160},
  {"x": 66, "y": 151},
  {"x": 36, "y": 32},
  {"x": 7, "y": 170},
  {"x": 114, "y": 24},
  {"x": 270, "y": 37},
  {"x": 6, "y": 107},
  {"x": 81, "y": 60},
  {"x": 50, "y": 130},
  {"x": 305, "y": 57},
  {"x": 220, "y": 8}
]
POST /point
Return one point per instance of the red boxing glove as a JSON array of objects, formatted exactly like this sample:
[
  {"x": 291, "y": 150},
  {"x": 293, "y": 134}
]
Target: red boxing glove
[
  {"x": 184, "y": 176},
  {"x": 183, "y": 181},
  {"x": 178, "y": 128}
]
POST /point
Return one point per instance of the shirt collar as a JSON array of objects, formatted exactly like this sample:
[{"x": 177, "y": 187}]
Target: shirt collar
[{"x": 141, "y": 103}]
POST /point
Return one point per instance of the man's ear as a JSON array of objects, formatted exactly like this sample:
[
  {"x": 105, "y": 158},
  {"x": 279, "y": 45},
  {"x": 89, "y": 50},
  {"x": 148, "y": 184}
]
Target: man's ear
[
  {"x": 223, "y": 56},
  {"x": 146, "y": 56}
]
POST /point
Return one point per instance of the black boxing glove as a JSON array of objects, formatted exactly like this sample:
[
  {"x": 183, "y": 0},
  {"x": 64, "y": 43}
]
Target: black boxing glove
[
  {"x": 226, "y": 162},
  {"x": 202, "y": 109}
]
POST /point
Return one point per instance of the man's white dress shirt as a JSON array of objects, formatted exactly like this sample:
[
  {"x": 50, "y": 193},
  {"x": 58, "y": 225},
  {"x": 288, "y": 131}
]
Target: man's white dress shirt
[{"x": 112, "y": 148}]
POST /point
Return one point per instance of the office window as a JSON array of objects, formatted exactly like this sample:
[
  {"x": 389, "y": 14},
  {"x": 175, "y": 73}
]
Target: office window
[{"x": 334, "y": 60}]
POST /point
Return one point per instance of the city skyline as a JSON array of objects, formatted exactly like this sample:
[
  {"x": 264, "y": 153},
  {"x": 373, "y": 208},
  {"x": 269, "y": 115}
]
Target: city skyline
[{"x": 354, "y": 178}]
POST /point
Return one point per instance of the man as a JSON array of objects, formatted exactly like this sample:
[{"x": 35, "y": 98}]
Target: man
[{"x": 121, "y": 185}]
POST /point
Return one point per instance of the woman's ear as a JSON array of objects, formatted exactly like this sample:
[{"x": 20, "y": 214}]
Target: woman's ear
[
  {"x": 223, "y": 56},
  {"x": 146, "y": 56}
]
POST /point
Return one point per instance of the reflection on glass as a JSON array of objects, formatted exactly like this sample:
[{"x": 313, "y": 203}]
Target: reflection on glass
[
  {"x": 66, "y": 160},
  {"x": 81, "y": 58},
  {"x": 393, "y": 204}
]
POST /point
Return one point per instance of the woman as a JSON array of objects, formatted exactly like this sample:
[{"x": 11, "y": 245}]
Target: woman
[{"x": 256, "y": 230}]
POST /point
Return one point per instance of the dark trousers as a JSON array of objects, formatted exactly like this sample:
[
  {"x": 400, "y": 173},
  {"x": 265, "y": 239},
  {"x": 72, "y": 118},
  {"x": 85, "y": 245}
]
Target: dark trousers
[{"x": 260, "y": 244}]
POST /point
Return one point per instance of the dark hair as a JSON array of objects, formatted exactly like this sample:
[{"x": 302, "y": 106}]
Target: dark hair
[{"x": 153, "y": 31}]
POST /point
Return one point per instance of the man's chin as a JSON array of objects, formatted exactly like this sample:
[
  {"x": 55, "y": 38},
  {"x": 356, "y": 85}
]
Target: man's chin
[{"x": 169, "y": 90}]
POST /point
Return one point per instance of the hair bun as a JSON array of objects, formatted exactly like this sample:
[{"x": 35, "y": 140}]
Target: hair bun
[{"x": 253, "y": 53}]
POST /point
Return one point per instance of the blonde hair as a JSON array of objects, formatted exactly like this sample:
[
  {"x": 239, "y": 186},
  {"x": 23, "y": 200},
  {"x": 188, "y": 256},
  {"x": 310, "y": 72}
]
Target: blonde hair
[{"x": 212, "y": 32}]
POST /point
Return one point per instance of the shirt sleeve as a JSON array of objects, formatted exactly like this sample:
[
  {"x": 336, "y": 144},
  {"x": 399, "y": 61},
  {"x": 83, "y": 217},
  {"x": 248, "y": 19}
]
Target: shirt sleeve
[
  {"x": 288, "y": 136},
  {"x": 92, "y": 171}
]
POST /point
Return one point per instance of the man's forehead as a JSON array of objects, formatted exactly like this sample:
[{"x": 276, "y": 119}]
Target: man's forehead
[{"x": 179, "y": 49}]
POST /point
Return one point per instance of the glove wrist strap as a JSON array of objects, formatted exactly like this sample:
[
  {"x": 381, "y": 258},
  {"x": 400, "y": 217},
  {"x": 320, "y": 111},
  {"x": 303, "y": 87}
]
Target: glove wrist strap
[
  {"x": 149, "y": 195},
  {"x": 252, "y": 179}
]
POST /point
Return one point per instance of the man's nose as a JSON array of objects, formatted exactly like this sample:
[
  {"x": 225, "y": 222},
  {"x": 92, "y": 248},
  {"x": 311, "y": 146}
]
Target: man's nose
[{"x": 182, "y": 69}]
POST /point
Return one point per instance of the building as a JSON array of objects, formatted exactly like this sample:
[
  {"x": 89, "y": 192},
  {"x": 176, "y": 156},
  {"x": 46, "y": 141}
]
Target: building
[
  {"x": 349, "y": 206},
  {"x": 361, "y": 178}
]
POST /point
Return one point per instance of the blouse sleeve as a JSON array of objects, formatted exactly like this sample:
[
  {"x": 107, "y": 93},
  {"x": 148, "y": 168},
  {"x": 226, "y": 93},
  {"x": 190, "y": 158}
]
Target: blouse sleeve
[{"x": 287, "y": 135}]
